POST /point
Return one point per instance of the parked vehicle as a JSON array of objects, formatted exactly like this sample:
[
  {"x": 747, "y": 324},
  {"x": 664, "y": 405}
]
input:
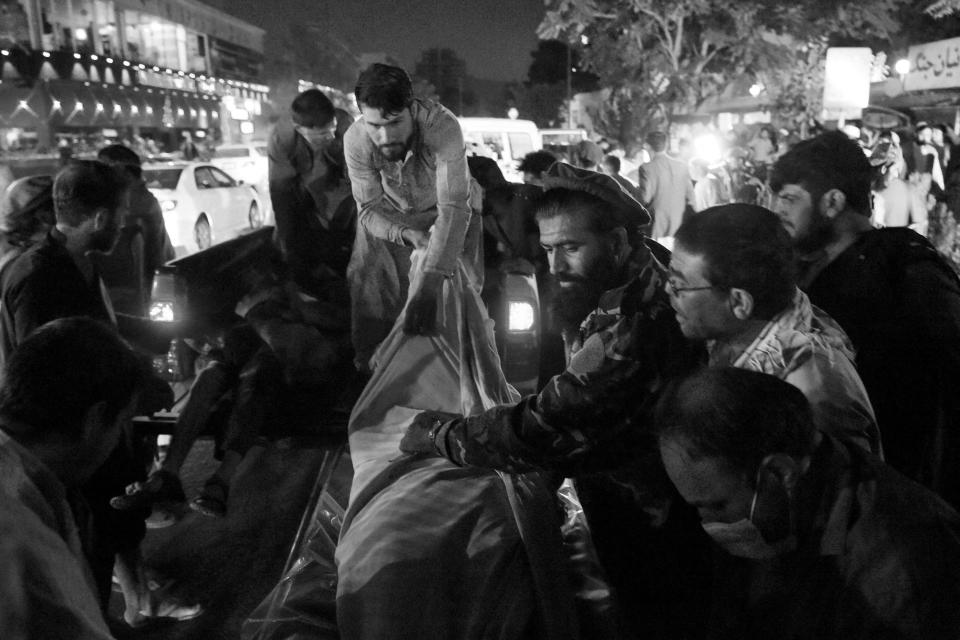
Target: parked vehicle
[
  {"x": 202, "y": 205},
  {"x": 503, "y": 139},
  {"x": 562, "y": 142},
  {"x": 246, "y": 162}
]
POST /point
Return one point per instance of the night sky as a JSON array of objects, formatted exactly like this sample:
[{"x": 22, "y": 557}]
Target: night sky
[{"x": 495, "y": 37}]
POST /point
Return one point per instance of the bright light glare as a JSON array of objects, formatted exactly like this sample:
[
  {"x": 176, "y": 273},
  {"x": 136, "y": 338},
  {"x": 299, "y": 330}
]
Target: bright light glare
[
  {"x": 168, "y": 205},
  {"x": 902, "y": 66},
  {"x": 708, "y": 147},
  {"x": 161, "y": 311},
  {"x": 520, "y": 316}
]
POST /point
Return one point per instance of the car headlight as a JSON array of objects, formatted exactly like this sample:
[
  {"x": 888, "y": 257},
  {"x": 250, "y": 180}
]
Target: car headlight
[
  {"x": 162, "y": 311},
  {"x": 520, "y": 316},
  {"x": 168, "y": 205}
]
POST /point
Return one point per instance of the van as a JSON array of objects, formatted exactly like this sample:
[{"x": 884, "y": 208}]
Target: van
[
  {"x": 503, "y": 139},
  {"x": 562, "y": 142}
]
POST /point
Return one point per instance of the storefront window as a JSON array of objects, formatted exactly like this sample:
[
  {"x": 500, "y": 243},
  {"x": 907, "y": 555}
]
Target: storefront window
[
  {"x": 105, "y": 20},
  {"x": 14, "y": 30},
  {"x": 81, "y": 25},
  {"x": 156, "y": 41}
]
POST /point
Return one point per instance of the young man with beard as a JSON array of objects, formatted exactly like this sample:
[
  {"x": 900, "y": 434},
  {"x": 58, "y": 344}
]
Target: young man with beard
[
  {"x": 56, "y": 277},
  {"x": 733, "y": 286},
  {"x": 894, "y": 296},
  {"x": 408, "y": 169},
  {"x": 593, "y": 421},
  {"x": 816, "y": 539}
]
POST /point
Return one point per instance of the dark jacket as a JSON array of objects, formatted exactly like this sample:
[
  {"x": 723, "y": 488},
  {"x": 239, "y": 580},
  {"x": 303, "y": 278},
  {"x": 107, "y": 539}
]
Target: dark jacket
[
  {"x": 43, "y": 284},
  {"x": 311, "y": 199},
  {"x": 899, "y": 303}
]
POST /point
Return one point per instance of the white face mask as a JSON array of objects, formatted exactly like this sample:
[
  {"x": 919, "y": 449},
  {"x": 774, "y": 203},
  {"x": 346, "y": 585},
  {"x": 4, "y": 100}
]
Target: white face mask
[{"x": 744, "y": 540}]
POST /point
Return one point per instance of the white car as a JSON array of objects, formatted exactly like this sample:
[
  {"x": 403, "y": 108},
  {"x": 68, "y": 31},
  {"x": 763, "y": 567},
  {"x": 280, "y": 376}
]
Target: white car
[
  {"x": 247, "y": 162},
  {"x": 202, "y": 205}
]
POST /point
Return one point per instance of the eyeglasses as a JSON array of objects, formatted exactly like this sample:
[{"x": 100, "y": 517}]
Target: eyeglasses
[{"x": 675, "y": 291}]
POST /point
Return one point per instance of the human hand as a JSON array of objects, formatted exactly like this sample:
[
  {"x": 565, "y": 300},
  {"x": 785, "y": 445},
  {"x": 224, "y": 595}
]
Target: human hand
[
  {"x": 415, "y": 238},
  {"x": 421, "y": 315},
  {"x": 422, "y": 432}
]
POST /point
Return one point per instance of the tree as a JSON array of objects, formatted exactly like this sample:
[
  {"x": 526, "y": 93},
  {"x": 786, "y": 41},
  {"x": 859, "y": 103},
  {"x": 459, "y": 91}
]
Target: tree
[
  {"x": 549, "y": 66},
  {"x": 542, "y": 96},
  {"x": 540, "y": 102},
  {"x": 943, "y": 8},
  {"x": 447, "y": 72},
  {"x": 669, "y": 56}
]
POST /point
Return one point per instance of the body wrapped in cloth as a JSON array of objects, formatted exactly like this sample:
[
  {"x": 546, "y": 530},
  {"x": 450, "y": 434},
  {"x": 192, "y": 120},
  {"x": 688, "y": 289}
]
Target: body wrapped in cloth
[{"x": 429, "y": 549}]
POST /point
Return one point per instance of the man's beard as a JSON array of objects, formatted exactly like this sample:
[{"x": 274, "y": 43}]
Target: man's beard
[
  {"x": 393, "y": 151},
  {"x": 572, "y": 304},
  {"x": 818, "y": 234}
]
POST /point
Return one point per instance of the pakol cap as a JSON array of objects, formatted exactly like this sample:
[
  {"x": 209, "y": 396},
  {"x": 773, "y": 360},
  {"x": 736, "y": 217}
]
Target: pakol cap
[{"x": 561, "y": 175}]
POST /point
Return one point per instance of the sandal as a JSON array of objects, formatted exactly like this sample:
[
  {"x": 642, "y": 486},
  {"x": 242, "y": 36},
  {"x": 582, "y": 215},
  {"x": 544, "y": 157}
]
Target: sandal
[
  {"x": 213, "y": 500},
  {"x": 161, "y": 486}
]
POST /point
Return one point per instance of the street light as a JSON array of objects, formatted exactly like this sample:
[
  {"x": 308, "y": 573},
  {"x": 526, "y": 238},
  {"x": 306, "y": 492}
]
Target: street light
[
  {"x": 902, "y": 67},
  {"x": 584, "y": 40},
  {"x": 569, "y": 87}
]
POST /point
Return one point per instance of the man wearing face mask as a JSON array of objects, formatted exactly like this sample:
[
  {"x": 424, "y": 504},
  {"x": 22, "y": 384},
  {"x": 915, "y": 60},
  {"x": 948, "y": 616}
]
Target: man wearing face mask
[
  {"x": 817, "y": 539},
  {"x": 309, "y": 187}
]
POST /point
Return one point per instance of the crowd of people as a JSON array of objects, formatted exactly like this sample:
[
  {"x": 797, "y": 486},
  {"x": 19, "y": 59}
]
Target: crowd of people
[{"x": 759, "y": 415}]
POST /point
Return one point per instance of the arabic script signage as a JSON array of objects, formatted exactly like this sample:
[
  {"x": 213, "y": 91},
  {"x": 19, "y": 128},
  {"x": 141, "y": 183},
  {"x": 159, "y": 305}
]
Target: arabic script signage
[{"x": 934, "y": 65}]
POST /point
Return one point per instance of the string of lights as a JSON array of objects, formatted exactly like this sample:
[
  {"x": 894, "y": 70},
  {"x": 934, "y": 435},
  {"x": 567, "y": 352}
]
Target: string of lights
[{"x": 156, "y": 69}]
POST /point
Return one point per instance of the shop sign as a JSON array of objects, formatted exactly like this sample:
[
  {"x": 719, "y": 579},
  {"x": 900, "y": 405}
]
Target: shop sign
[
  {"x": 846, "y": 87},
  {"x": 933, "y": 65}
]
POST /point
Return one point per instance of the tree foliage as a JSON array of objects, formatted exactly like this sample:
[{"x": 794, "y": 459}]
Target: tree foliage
[
  {"x": 669, "y": 56},
  {"x": 943, "y": 8},
  {"x": 542, "y": 97},
  {"x": 541, "y": 102},
  {"x": 549, "y": 66},
  {"x": 447, "y": 72}
]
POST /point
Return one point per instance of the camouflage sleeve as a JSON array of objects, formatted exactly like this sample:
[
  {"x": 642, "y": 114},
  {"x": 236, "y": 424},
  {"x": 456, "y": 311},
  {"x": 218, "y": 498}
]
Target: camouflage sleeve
[{"x": 610, "y": 380}]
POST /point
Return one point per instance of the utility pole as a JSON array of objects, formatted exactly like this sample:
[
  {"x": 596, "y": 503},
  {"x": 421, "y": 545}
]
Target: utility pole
[{"x": 569, "y": 88}]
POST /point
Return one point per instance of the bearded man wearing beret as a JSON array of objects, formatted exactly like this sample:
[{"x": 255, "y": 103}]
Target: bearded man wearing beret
[{"x": 593, "y": 422}]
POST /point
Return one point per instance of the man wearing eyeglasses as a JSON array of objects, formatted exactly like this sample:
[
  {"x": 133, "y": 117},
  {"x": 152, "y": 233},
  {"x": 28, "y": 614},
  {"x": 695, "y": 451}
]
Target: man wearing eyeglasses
[
  {"x": 732, "y": 283},
  {"x": 309, "y": 187}
]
